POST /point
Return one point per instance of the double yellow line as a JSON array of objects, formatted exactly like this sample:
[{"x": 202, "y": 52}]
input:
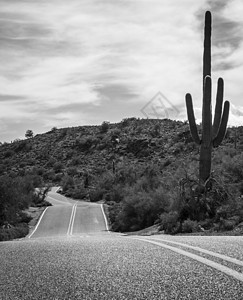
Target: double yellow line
[{"x": 71, "y": 222}]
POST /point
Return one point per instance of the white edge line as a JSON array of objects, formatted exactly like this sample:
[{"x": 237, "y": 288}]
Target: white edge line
[
  {"x": 57, "y": 189},
  {"x": 224, "y": 257},
  {"x": 70, "y": 221},
  {"x": 106, "y": 223},
  {"x": 205, "y": 261},
  {"x": 74, "y": 213},
  {"x": 38, "y": 223}
]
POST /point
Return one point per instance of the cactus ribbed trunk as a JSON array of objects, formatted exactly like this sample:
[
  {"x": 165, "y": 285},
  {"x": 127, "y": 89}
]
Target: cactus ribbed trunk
[{"x": 206, "y": 144}]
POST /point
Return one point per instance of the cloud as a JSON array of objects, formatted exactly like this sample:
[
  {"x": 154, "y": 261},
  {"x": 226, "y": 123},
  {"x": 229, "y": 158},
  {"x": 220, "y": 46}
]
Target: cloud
[
  {"x": 84, "y": 61},
  {"x": 4, "y": 97}
]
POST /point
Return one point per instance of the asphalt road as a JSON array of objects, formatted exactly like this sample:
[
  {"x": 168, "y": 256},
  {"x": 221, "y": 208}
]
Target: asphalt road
[
  {"x": 68, "y": 217},
  {"x": 71, "y": 255}
]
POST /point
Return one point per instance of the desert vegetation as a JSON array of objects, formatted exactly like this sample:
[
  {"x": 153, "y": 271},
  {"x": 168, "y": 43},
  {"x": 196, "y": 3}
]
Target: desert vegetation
[
  {"x": 145, "y": 170},
  {"x": 17, "y": 193}
]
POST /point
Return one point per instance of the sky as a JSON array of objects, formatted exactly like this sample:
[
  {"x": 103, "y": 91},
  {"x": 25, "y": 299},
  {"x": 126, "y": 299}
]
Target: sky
[{"x": 82, "y": 62}]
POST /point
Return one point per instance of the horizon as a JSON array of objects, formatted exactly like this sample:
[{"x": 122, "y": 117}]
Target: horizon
[{"x": 79, "y": 64}]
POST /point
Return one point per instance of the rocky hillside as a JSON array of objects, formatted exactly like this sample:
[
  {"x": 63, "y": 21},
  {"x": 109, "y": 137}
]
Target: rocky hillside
[
  {"x": 144, "y": 157},
  {"x": 83, "y": 149}
]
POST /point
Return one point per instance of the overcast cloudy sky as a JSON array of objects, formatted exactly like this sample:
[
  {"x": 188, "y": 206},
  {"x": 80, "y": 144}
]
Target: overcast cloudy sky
[{"x": 69, "y": 63}]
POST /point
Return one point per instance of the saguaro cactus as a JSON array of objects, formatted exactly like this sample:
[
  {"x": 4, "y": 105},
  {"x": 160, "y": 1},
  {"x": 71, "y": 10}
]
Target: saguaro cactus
[{"x": 212, "y": 135}]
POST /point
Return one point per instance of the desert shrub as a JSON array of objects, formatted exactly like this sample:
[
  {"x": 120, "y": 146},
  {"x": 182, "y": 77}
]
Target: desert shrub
[
  {"x": 40, "y": 171},
  {"x": 50, "y": 162},
  {"x": 169, "y": 222},
  {"x": 57, "y": 167},
  {"x": 126, "y": 175},
  {"x": 86, "y": 143},
  {"x": 57, "y": 178},
  {"x": 8, "y": 153},
  {"x": 24, "y": 217},
  {"x": 189, "y": 226},
  {"x": 115, "y": 194},
  {"x": 67, "y": 183},
  {"x": 155, "y": 130},
  {"x": 125, "y": 122},
  {"x": 139, "y": 209},
  {"x": 178, "y": 148},
  {"x": 44, "y": 204},
  {"x": 21, "y": 230},
  {"x": 79, "y": 193},
  {"x": 241, "y": 188},
  {"x": 22, "y": 146},
  {"x": 138, "y": 146},
  {"x": 104, "y": 127},
  {"x": 227, "y": 225},
  {"x": 75, "y": 161},
  {"x": 15, "y": 195},
  {"x": 104, "y": 143},
  {"x": 234, "y": 168},
  {"x": 167, "y": 162},
  {"x": 63, "y": 133},
  {"x": 72, "y": 171},
  {"x": 96, "y": 194},
  {"x": 106, "y": 181},
  {"x": 149, "y": 180},
  {"x": 115, "y": 133},
  {"x": 49, "y": 175}
]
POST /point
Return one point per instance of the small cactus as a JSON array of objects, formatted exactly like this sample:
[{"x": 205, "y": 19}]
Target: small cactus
[{"x": 212, "y": 134}]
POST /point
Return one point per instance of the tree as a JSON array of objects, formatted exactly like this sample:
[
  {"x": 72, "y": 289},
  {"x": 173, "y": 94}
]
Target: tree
[
  {"x": 104, "y": 127},
  {"x": 29, "y": 134}
]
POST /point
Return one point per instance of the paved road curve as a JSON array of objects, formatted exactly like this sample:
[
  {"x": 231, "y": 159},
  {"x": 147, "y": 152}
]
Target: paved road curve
[
  {"x": 71, "y": 255},
  {"x": 68, "y": 217}
]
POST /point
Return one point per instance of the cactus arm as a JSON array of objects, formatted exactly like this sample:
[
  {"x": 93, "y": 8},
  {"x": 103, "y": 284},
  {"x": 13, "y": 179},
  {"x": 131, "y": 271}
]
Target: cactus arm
[
  {"x": 191, "y": 119},
  {"x": 218, "y": 106},
  {"x": 223, "y": 125},
  {"x": 207, "y": 46},
  {"x": 207, "y": 113}
]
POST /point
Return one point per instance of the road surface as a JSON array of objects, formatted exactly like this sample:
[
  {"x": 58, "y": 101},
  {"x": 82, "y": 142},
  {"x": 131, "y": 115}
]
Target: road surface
[
  {"x": 72, "y": 255},
  {"x": 68, "y": 217}
]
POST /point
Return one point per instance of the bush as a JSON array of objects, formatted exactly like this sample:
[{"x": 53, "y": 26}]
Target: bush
[
  {"x": 15, "y": 195},
  {"x": 234, "y": 168},
  {"x": 115, "y": 194},
  {"x": 19, "y": 231},
  {"x": 104, "y": 127},
  {"x": 86, "y": 143},
  {"x": 24, "y": 217},
  {"x": 75, "y": 161},
  {"x": 189, "y": 226},
  {"x": 138, "y": 209},
  {"x": 8, "y": 153},
  {"x": 67, "y": 183},
  {"x": 96, "y": 195},
  {"x": 57, "y": 167},
  {"x": 79, "y": 193},
  {"x": 169, "y": 222}
]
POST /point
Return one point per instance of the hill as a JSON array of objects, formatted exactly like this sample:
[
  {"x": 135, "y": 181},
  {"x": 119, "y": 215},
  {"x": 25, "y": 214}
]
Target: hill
[{"x": 145, "y": 169}]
